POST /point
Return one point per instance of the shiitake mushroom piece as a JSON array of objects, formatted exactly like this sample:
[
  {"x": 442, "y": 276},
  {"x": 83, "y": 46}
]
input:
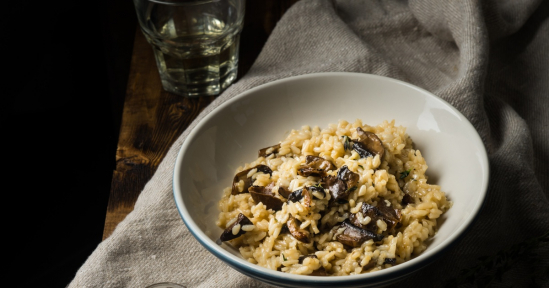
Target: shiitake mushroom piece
[
  {"x": 284, "y": 229},
  {"x": 304, "y": 194},
  {"x": 351, "y": 178},
  {"x": 388, "y": 214},
  {"x": 315, "y": 166},
  {"x": 319, "y": 272},
  {"x": 371, "y": 264},
  {"x": 407, "y": 199},
  {"x": 295, "y": 196},
  {"x": 284, "y": 192},
  {"x": 265, "y": 152},
  {"x": 298, "y": 233},
  {"x": 354, "y": 236},
  {"x": 298, "y": 194},
  {"x": 367, "y": 144},
  {"x": 343, "y": 184},
  {"x": 228, "y": 233},
  {"x": 265, "y": 196},
  {"x": 243, "y": 175},
  {"x": 337, "y": 188}
]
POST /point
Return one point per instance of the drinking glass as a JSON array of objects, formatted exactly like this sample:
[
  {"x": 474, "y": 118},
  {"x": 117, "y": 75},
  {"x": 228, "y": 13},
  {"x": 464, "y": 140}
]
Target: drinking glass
[{"x": 195, "y": 42}]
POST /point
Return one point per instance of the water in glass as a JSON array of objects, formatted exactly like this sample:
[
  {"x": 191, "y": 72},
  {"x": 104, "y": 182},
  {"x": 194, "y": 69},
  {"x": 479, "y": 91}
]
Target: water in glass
[{"x": 195, "y": 43}]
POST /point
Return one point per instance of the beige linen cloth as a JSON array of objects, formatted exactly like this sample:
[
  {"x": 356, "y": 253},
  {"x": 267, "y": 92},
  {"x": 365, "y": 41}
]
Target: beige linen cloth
[{"x": 489, "y": 59}]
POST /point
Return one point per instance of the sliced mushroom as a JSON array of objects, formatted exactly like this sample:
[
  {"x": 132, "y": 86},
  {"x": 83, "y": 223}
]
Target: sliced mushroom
[
  {"x": 383, "y": 212},
  {"x": 390, "y": 215},
  {"x": 265, "y": 152},
  {"x": 319, "y": 163},
  {"x": 351, "y": 178},
  {"x": 315, "y": 166},
  {"x": 301, "y": 194},
  {"x": 337, "y": 188},
  {"x": 284, "y": 229},
  {"x": 295, "y": 196},
  {"x": 341, "y": 186},
  {"x": 361, "y": 150},
  {"x": 243, "y": 176},
  {"x": 298, "y": 233},
  {"x": 354, "y": 236},
  {"x": 319, "y": 272},
  {"x": 407, "y": 199},
  {"x": 391, "y": 261},
  {"x": 368, "y": 144},
  {"x": 228, "y": 233},
  {"x": 284, "y": 192},
  {"x": 371, "y": 264},
  {"x": 268, "y": 198}
]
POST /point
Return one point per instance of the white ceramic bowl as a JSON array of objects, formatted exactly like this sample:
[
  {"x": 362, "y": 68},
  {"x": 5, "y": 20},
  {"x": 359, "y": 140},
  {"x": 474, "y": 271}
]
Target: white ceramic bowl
[{"x": 232, "y": 134}]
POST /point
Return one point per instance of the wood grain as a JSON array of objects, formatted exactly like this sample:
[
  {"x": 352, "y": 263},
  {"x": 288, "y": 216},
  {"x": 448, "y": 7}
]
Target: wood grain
[{"x": 152, "y": 119}]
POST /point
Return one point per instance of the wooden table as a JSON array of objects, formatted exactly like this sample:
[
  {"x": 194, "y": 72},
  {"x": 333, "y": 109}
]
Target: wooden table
[{"x": 152, "y": 119}]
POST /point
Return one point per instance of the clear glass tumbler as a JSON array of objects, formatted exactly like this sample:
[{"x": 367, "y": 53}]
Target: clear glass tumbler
[{"x": 195, "y": 42}]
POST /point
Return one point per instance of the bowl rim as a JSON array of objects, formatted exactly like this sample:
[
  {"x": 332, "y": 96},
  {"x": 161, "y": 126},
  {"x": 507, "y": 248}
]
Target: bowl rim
[{"x": 403, "y": 269}]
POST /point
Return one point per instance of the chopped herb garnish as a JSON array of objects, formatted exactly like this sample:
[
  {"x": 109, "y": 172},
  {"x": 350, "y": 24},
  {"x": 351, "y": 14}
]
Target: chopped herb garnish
[
  {"x": 319, "y": 185},
  {"x": 284, "y": 257},
  {"x": 361, "y": 166},
  {"x": 405, "y": 173},
  {"x": 346, "y": 142}
]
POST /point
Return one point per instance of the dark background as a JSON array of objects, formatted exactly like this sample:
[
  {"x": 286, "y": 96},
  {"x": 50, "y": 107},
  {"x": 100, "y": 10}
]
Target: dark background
[
  {"x": 66, "y": 66},
  {"x": 65, "y": 73}
]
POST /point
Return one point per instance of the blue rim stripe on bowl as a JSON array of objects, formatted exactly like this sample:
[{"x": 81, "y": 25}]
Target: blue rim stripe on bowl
[{"x": 289, "y": 280}]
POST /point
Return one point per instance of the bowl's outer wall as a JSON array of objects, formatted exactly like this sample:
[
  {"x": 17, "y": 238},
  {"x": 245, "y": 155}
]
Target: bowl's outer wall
[{"x": 233, "y": 133}]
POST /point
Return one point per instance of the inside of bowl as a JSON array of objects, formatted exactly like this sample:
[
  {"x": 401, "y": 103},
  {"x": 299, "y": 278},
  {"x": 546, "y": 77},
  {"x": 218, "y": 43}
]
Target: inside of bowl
[{"x": 233, "y": 134}]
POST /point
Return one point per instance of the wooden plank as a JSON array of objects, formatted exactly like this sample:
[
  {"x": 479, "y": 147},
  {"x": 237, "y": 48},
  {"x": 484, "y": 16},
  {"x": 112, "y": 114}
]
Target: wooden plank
[{"x": 153, "y": 119}]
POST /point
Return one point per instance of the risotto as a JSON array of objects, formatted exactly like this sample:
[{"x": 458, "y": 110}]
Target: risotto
[{"x": 344, "y": 200}]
